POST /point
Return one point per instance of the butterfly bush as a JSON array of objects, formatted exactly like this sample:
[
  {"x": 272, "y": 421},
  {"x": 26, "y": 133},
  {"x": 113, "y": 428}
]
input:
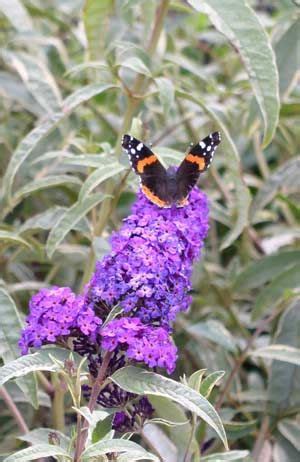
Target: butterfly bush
[{"x": 147, "y": 275}]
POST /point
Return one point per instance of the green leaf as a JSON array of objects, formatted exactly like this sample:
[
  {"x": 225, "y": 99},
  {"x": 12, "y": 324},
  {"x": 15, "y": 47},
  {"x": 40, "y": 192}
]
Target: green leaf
[
  {"x": 287, "y": 56},
  {"x": 44, "y": 183},
  {"x": 87, "y": 160},
  {"x": 26, "y": 146},
  {"x": 279, "y": 352},
  {"x": 36, "y": 452},
  {"x": 238, "y": 22},
  {"x": 267, "y": 268},
  {"x": 98, "y": 177},
  {"x": 285, "y": 177},
  {"x": 209, "y": 382},
  {"x": 13, "y": 89},
  {"x": 166, "y": 94},
  {"x": 236, "y": 430},
  {"x": 214, "y": 331},
  {"x": 39, "y": 361},
  {"x": 231, "y": 455},
  {"x": 37, "y": 78},
  {"x": 180, "y": 434},
  {"x": 102, "y": 428},
  {"x": 288, "y": 279},
  {"x": 48, "y": 220},
  {"x": 115, "y": 445},
  {"x": 284, "y": 378},
  {"x": 139, "y": 381},
  {"x": 137, "y": 65},
  {"x": 284, "y": 451},
  {"x": 291, "y": 431},
  {"x": 17, "y": 14},
  {"x": 12, "y": 238},
  {"x": 242, "y": 193},
  {"x": 10, "y": 328},
  {"x": 195, "y": 379},
  {"x": 69, "y": 219},
  {"x": 88, "y": 65},
  {"x": 95, "y": 20},
  {"x": 41, "y": 435}
]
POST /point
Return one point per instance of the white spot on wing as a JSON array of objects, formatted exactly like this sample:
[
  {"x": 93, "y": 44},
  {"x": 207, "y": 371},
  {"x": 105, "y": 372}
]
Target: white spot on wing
[
  {"x": 202, "y": 144},
  {"x": 132, "y": 151},
  {"x": 208, "y": 148},
  {"x": 139, "y": 147}
]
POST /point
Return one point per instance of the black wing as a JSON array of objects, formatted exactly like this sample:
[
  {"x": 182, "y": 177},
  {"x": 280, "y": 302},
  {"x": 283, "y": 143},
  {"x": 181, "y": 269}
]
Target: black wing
[
  {"x": 197, "y": 160},
  {"x": 153, "y": 175}
]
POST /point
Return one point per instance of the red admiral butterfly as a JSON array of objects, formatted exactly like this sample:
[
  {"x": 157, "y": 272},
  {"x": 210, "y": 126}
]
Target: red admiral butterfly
[{"x": 166, "y": 187}]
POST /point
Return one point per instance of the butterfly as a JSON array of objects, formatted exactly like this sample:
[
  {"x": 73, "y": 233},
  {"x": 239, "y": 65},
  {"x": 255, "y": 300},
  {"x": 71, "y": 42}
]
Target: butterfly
[{"x": 167, "y": 187}]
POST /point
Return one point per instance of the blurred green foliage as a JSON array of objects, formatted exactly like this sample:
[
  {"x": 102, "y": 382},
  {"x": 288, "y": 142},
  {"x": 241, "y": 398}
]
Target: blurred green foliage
[{"x": 76, "y": 75}]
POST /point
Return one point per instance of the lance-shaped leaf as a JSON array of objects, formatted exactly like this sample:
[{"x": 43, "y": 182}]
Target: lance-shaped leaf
[
  {"x": 40, "y": 361},
  {"x": 227, "y": 456},
  {"x": 288, "y": 279},
  {"x": 115, "y": 445},
  {"x": 26, "y": 146},
  {"x": 287, "y": 56},
  {"x": 37, "y": 78},
  {"x": 95, "y": 19},
  {"x": 17, "y": 14},
  {"x": 238, "y": 22},
  {"x": 284, "y": 378},
  {"x": 139, "y": 381},
  {"x": 267, "y": 268},
  {"x": 291, "y": 430},
  {"x": 99, "y": 176},
  {"x": 69, "y": 219},
  {"x": 10, "y": 327},
  {"x": 285, "y": 178},
  {"x": 214, "y": 331},
  {"x": 12, "y": 238},
  {"x": 36, "y": 452},
  {"x": 279, "y": 352}
]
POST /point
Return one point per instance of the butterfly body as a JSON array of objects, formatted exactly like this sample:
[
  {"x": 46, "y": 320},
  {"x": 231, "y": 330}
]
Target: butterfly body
[{"x": 167, "y": 187}]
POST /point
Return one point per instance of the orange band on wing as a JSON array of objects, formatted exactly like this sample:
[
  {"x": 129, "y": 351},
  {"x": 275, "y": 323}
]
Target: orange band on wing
[
  {"x": 196, "y": 160},
  {"x": 156, "y": 200},
  {"x": 147, "y": 161}
]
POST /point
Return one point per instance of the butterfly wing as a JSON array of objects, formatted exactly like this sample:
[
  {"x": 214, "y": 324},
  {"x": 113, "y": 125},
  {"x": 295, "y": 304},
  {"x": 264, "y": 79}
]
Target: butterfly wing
[
  {"x": 197, "y": 160},
  {"x": 153, "y": 175}
]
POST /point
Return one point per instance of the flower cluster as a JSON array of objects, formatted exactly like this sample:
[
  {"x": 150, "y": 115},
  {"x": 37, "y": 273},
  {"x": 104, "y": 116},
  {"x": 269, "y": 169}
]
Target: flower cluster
[
  {"x": 133, "y": 418},
  {"x": 148, "y": 274},
  {"x": 57, "y": 313},
  {"x": 148, "y": 271},
  {"x": 151, "y": 345}
]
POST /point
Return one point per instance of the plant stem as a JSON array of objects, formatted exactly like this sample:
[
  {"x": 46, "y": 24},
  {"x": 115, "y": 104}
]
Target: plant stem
[
  {"x": 239, "y": 362},
  {"x": 264, "y": 430},
  {"x": 58, "y": 408},
  {"x": 14, "y": 410},
  {"x": 45, "y": 384},
  {"x": 82, "y": 424},
  {"x": 187, "y": 454}
]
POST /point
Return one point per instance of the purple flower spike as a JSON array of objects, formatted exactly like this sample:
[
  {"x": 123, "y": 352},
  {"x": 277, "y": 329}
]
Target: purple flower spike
[{"x": 149, "y": 269}]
